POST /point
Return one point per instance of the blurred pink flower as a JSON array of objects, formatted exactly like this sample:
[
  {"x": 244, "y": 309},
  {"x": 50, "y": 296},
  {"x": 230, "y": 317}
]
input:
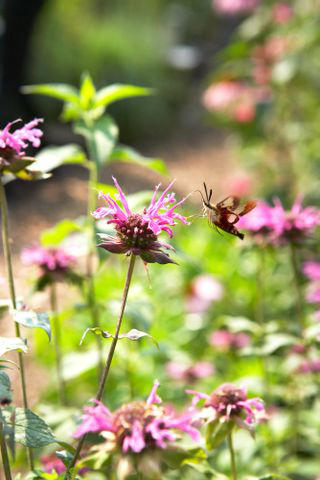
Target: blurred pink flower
[
  {"x": 239, "y": 184},
  {"x": 282, "y": 13},
  {"x": 264, "y": 57},
  {"x": 19, "y": 139},
  {"x": 234, "y": 99},
  {"x": 203, "y": 290},
  {"x": 277, "y": 225},
  {"x": 233, "y": 7},
  {"x": 52, "y": 464},
  {"x": 225, "y": 340},
  {"x": 309, "y": 366},
  {"x": 189, "y": 373},
  {"x": 137, "y": 233},
  {"x": 137, "y": 426},
  {"x": 298, "y": 349},
  {"x": 313, "y": 295},
  {"x": 312, "y": 270},
  {"x": 49, "y": 259},
  {"x": 230, "y": 403}
]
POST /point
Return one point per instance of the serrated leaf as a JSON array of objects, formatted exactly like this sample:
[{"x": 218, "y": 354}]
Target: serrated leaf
[
  {"x": 126, "y": 154},
  {"x": 31, "y": 319},
  {"x": 5, "y": 389},
  {"x": 101, "y": 137},
  {"x": 62, "y": 91},
  {"x": 57, "y": 234},
  {"x": 113, "y": 93},
  {"x": 87, "y": 92},
  {"x": 52, "y": 157},
  {"x": 29, "y": 429},
  {"x": 133, "y": 335},
  {"x": 8, "y": 344}
]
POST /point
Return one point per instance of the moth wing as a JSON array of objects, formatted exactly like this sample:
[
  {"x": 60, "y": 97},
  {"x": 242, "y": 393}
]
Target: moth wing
[
  {"x": 231, "y": 203},
  {"x": 247, "y": 207}
]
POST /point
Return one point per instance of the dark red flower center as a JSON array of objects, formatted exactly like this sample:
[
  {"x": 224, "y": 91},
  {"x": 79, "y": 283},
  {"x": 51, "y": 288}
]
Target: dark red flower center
[{"x": 135, "y": 232}]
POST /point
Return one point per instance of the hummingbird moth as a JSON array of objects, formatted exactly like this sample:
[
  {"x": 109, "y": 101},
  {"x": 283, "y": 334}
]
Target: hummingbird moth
[{"x": 226, "y": 213}]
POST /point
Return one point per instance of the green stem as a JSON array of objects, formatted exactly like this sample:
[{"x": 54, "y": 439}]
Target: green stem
[
  {"x": 110, "y": 356},
  {"x": 297, "y": 286},
  {"x": 4, "y": 454},
  {"x": 57, "y": 343},
  {"x": 232, "y": 455},
  {"x": 8, "y": 261},
  {"x": 91, "y": 297}
]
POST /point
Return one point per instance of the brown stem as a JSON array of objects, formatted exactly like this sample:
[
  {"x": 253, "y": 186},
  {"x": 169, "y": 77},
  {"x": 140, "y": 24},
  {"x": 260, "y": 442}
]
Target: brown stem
[
  {"x": 4, "y": 453},
  {"x": 110, "y": 356},
  {"x": 8, "y": 261}
]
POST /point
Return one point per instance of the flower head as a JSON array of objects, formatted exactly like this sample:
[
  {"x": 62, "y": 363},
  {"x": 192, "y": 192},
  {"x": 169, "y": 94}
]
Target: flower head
[
  {"x": 309, "y": 366},
  {"x": 137, "y": 426},
  {"x": 312, "y": 270},
  {"x": 137, "y": 233},
  {"x": 52, "y": 464},
  {"x": 14, "y": 144},
  {"x": 224, "y": 340},
  {"x": 189, "y": 373},
  {"x": 234, "y": 7},
  {"x": 203, "y": 290},
  {"x": 54, "y": 263},
  {"x": 230, "y": 403}
]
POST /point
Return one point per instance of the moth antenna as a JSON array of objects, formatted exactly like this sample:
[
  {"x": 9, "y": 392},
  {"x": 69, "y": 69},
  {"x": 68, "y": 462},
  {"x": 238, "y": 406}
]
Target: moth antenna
[
  {"x": 210, "y": 195},
  {"x": 206, "y": 191},
  {"x": 200, "y": 194}
]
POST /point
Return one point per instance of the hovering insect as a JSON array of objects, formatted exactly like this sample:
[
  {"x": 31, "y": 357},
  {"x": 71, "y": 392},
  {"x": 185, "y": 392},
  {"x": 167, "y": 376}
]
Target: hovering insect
[{"x": 226, "y": 213}]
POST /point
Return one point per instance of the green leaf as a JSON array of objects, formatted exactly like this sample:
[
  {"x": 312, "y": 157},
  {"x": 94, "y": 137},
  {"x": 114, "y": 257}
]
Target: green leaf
[
  {"x": 31, "y": 319},
  {"x": 87, "y": 92},
  {"x": 274, "y": 476},
  {"x": 4, "y": 306},
  {"x": 216, "y": 433},
  {"x": 101, "y": 138},
  {"x": 29, "y": 429},
  {"x": 53, "y": 157},
  {"x": 7, "y": 344},
  {"x": 5, "y": 389},
  {"x": 126, "y": 154},
  {"x": 133, "y": 335},
  {"x": 65, "y": 457},
  {"x": 113, "y": 93},
  {"x": 275, "y": 341},
  {"x": 56, "y": 235},
  {"x": 62, "y": 91}
]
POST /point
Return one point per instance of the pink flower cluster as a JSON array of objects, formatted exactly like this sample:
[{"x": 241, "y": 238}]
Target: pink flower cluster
[
  {"x": 282, "y": 13},
  {"x": 19, "y": 139},
  {"x": 235, "y": 99},
  {"x": 309, "y": 366},
  {"x": 234, "y": 7},
  {"x": 312, "y": 271},
  {"x": 203, "y": 290},
  {"x": 225, "y": 341},
  {"x": 266, "y": 55},
  {"x": 137, "y": 426},
  {"x": 49, "y": 259},
  {"x": 275, "y": 225},
  {"x": 230, "y": 403},
  {"x": 137, "y": 233},
  {"x": 189, "y": 373},
  {"x": 52, "y": 464}
]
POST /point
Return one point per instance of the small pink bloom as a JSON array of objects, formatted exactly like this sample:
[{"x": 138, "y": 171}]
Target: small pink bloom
[
  {"x": 137, "y": 233},
  {"x": 244, "y": 112},
  {"x": 52, "y": 464},
  {"x": 21, "y": 137},
  {"x": 313, "y": 295},
  {"x": 231, "y": 403},
  {"x": 309, "y": 366},
  {"x": 189, "y": 373},
  {"x": 203, "y": 290},
  {"x": 225, "y": 340},
  {"x": 137, "y": 426},
  {"x": 282, "y": 13},
  {"x": 234, "y": 7},
  {"x": 219, "y": 96},
  {"x": 239, "y": 185},
  {"x": 49, "y": 259},
  {"x": 312, "y": 270}
]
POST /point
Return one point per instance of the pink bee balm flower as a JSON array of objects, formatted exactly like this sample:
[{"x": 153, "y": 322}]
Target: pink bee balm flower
[
  {"x": 312, "y": 270},
  {"x": 137, "y": 233},
  {"x": 225, "y": 340},
  {"x": 19, "y": 139},
  {"x": 52, "y": 464},
  {"x": 204, "y": 290},
  {"x": 137, "y": 426},
  {"x": 233, "y": 7},
  {"x": 282, "y": 13},
  {"x": 189, "y": 373},
  {"x": 309, "y": 366},
  {"x": 230, "y": 403},
  {"x": 49, "y": 259}
]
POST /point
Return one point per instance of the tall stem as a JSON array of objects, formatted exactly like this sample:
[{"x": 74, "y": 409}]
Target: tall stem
[
  {"x": 4, "y": 453},
  {"x": 57, "y": 343},
  {"x": 232, "y": 455},
  {"x": 297, "y": 286},
  {"x": 8, "y": 261},
  {"x": 91, "y": 298},
  {"x": 110, "y": 354}
]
